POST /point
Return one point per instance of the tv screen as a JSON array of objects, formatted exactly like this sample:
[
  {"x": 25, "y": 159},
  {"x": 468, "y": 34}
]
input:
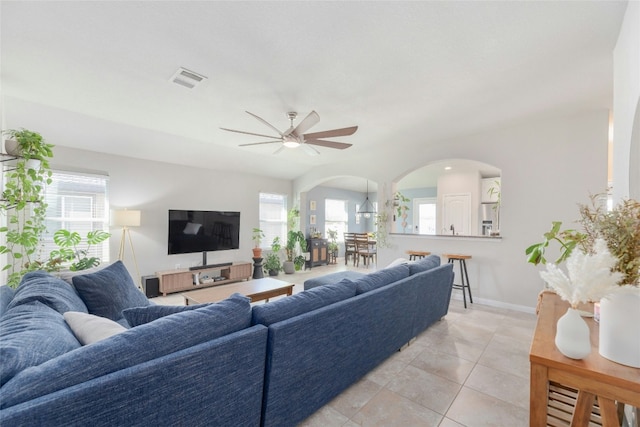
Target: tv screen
[{"x": 203, "y": 231}]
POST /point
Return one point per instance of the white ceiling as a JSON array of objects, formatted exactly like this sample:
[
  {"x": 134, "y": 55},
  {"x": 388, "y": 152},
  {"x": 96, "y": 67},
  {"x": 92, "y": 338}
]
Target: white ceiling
[{"x": 95, "y": 74}]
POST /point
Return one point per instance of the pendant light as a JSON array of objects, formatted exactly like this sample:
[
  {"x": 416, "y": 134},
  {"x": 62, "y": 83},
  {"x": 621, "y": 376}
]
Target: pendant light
[{"x": 366, "y": 209}]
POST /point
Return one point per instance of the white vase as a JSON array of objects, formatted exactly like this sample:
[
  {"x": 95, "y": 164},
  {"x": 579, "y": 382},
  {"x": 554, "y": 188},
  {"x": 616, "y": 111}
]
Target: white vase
[
  {"x": 12, "y": 147},
  {"x": 572, "y": 335},
  {"x": 619, "y": 332}
]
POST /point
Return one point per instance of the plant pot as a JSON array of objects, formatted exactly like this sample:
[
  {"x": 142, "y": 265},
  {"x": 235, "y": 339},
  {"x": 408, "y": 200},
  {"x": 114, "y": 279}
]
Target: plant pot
[
  {"x": 289, "y": 267},
  {"x": 257, "y": 252},
  {"x": 273, "y": 273},
  {"x": 572, "y": 335},
  {"x": 12, "y": 147},
  {"x": 619, "y": 333}
]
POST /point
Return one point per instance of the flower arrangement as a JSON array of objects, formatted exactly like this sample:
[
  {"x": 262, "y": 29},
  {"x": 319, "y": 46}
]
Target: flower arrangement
[
  {"x": 619, "y": 228},
  {"x": 590, "y": 276}
]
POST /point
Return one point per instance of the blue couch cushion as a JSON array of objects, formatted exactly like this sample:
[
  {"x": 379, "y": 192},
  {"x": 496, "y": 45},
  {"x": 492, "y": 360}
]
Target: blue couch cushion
[
  {"x": 140, "y": 315},
  {"x": 49, "y": 290},
  {"x": 332, "y": 278},
  {"x": 30, "y": 334},
  {"x": 303, "y": 302},
  {"x": 381, "y": 278},
  {"x": 109, "y": 291},
  {"x": 424, "y": 264},
  {"x": 146, "y": 342},
  {"x": 6, "y": 295}
]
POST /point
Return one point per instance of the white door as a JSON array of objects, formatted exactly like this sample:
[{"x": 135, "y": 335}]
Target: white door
[{"x": 456, "y": 214}]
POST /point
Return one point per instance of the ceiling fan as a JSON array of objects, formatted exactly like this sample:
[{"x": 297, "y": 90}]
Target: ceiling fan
[{"x": 295, "y": 136}]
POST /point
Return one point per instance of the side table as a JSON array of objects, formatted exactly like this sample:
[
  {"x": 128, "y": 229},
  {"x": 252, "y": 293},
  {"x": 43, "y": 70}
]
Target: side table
[{"x": 594, "y": 377}]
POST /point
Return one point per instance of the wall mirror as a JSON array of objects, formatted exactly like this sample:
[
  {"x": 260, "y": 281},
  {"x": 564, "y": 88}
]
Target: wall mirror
[{"x": 454, "y": 197}]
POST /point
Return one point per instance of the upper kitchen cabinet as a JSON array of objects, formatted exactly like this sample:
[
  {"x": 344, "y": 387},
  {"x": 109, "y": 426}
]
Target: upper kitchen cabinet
[{"x": 490, "y": 192}]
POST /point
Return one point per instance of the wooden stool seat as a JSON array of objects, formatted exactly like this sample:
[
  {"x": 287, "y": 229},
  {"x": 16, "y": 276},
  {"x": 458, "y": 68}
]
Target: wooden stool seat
[
  {"x": 464, "y": 276},
  {"x": 413, "y": 255}
]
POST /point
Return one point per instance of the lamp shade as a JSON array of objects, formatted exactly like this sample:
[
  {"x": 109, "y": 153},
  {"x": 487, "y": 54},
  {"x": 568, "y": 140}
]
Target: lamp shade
[{"x": 126, "y": 218}]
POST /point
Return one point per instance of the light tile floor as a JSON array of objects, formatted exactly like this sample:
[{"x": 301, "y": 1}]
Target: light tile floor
[{"x": 469, "y": 369}]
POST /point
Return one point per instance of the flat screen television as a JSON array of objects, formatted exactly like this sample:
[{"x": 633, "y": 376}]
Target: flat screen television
[{"x": 202, "y": 231}]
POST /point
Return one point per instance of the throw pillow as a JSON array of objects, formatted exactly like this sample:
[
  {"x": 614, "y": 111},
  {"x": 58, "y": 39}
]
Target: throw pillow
[
  {"x": 424, "y": 264},
  {"x": 89, "y": 328},
  {"x": 140, "y": 315},
  {"x": 109, "y": 291},
  {"x": 381, "y": 278},
  {"x": 49, "y": 290},
  {"x": 303, "y": 302},
  {"x": 397, "y": 261},
  {"x": 31, "y": 334},
  {"x": 6, "y": 295}
]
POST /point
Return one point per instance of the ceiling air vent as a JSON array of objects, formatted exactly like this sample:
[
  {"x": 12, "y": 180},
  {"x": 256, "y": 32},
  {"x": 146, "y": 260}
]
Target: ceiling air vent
[{"x": 187, "y": 78}]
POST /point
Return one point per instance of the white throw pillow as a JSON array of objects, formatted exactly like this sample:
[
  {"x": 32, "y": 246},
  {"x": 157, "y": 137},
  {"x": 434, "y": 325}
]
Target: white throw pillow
[
  {"x": 397, "y": 261},
  {"x": 89, "y": 328}
]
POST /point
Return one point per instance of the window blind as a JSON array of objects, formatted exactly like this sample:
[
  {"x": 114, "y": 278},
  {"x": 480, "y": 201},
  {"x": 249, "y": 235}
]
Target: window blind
[{"x": 273, "y": 217}]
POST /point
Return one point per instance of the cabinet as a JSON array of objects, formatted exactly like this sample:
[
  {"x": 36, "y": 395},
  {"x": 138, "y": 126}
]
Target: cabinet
[
  {"x": 183, "y": 279},
  {"x": 490, "y": 190},
  {"x": 318, "y": 250}
]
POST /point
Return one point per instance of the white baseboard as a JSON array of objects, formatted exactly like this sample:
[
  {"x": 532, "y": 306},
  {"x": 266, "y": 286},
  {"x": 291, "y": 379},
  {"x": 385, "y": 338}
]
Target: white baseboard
[{"x": 498, "y": 304}]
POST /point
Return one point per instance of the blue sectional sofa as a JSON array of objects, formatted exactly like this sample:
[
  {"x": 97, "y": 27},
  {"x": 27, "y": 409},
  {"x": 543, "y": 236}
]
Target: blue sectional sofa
[{"x": 223, "y": 364}]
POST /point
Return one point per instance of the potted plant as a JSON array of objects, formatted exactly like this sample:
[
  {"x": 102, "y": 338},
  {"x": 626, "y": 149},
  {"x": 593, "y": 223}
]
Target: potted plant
[
  {"x": 401, "y": 208},
  {"x": 298, "y": 262},
  {"x": 24, "y": 206},
  {"x": 272, "y": 261},
  {"x": 294, "y": 238},
  {"x": 332, "y": 247},
  {"x": 257, "y": 236},
  {"x": 619, "y": 229},
  {"x": 69, "y": 249}
]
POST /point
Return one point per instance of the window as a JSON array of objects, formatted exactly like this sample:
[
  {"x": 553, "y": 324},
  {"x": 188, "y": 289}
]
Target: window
[
  {"x": 424, "y": 219},
  {"x": 273, "y": 217},
  {"x": 77, "y": 202},
  {"x": 335, "y": 217}
]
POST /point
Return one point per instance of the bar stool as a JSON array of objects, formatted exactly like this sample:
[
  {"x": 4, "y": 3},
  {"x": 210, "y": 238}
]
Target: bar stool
[
  {"x": 413, "y": 255},
  {"x": 464, "y": 277}
]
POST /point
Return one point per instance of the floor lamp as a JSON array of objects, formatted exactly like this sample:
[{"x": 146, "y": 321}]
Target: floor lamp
[{"x": 125, "y": 219}]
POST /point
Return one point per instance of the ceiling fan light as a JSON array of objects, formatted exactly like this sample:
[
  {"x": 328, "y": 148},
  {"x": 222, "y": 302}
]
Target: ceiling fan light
[{"x": 291, "y": 144}]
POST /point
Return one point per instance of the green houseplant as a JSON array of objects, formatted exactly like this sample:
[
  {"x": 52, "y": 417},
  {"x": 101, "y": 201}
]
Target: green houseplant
[
  {"x": 70, "y": 250},
  {"x": 23, "y": 204},
  {"x": 257, "y": 236},
  {"x": 332, "y": 247},
  {"x": 272, "y": 263},
  {"x": 295, "y": 238}
]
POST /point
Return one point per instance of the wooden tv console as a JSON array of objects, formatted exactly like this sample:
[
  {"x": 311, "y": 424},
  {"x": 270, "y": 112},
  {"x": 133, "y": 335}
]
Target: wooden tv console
[{"x": 181, "y": 280}]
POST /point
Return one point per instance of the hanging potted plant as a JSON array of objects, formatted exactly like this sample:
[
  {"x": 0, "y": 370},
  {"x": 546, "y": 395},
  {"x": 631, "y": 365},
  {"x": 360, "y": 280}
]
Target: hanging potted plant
[
  {"x": 620, "y": 230},
  {"x": 24, "y": 206},
  {"x": 257, "y": 236}
]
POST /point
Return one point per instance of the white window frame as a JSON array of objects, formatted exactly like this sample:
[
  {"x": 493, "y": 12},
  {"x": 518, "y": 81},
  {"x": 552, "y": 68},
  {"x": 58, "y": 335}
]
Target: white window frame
[
  {"x": 272, "y": 223},
  {"x": 341, "y": 224},
  {"x": 64, "y": 188}
]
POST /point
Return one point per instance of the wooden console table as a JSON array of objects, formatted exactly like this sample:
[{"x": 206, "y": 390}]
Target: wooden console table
[{"x": 554, "y": 377}]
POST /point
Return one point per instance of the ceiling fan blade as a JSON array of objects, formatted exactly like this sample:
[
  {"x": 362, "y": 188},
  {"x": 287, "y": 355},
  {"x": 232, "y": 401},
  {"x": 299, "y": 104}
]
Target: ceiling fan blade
[
  {"x": 310, "y": 150},
  {"x": 260, "y": 143},
  {"x": 279, "y": 149},
  {"x": 248, "y": 133},
  {"x": 266, "y": 123},
  {"x": 329, "y": 144},
  {"x": 332, "y": 133},
  {"x": 307, "y": 123}
]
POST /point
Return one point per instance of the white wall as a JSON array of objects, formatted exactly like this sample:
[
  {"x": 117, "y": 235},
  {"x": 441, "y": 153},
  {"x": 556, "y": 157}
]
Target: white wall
[
  {"x": 548, "y": 167},
  {"x": 155, "y": 187},
  {"x": 626, "y": 86}
]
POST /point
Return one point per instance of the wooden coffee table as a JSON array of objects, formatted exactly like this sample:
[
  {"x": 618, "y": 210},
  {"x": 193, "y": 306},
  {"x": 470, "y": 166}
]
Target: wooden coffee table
[{"x": 257, "y": 290}]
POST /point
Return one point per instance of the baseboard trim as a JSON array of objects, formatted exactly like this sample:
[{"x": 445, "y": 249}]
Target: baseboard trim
[{"x": 498, "y": 304}]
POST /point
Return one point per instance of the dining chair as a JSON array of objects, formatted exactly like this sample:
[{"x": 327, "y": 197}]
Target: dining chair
[
  {"x": 349, "y": 247},
  {"x": 365, "y": 249}
]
